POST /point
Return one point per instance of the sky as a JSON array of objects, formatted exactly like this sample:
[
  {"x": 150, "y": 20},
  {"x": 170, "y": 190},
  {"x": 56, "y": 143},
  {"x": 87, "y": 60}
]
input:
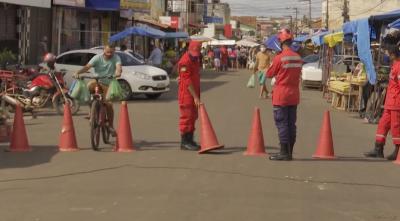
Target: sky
[{"x": 272, "y": 7}]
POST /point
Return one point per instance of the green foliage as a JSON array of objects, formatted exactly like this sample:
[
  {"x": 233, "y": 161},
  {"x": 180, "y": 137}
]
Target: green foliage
[{"x": 7, "y": 56}]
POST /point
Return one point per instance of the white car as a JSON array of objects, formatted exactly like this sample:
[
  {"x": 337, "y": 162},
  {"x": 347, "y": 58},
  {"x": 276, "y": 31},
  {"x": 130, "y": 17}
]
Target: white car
[
  {"x": 311, "y": 72},
  {"x": 136, "y": 78}
]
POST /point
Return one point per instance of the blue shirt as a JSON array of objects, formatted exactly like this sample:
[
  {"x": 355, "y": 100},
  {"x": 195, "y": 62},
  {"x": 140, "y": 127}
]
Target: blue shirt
[
  {"x": 156, "y": 56},
  {"x": 217, "y": 53}
]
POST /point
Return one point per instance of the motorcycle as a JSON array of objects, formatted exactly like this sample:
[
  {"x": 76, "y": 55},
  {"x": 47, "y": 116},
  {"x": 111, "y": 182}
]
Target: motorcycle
[{"x": 43, "y": 89}]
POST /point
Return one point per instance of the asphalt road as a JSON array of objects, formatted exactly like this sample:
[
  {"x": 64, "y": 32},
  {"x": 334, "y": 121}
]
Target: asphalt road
[{"x": 160, "y": 182}]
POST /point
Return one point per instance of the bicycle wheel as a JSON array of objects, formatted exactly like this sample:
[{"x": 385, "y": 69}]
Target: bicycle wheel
[
  {"x": 94, "y": 125},
  {"x": 106, "y": 134}
]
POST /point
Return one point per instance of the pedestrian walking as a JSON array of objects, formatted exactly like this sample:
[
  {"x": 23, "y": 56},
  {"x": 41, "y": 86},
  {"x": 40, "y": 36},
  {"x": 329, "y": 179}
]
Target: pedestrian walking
[
  {"x": 263, "y": 61},
  {"x": 189, "y": 95},
  {"x": 156, "y": 56},
  {"x": 43, "y": 48},
  {"x": 233, "y": 58},
  {"x": 224, "y": 58},
  {"x": 390, "y": 120},
  {"x": 286, "y": 69},
  {"x": 243, "y": 56},
  {"x": 217, "y": 59}
]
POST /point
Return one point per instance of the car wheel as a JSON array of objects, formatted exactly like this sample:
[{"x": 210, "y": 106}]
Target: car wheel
[
  {"x": 153, "y": 96},
  {"x": 126, "y": 90}
]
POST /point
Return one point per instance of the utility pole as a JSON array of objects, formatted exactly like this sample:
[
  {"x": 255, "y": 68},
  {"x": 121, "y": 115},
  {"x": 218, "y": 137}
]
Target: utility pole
[
  {"x": 296, "y": 11},
  {"x": 295, "y": 20},
  {"x": 345, "y": 14},
  {"x": 327, "y": 15},
  {"x": 309, "y": 12},
  {"x": 187, "y": 15}
]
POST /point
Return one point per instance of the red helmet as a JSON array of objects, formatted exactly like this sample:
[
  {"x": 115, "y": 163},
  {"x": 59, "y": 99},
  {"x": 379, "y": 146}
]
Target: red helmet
[
  {"x": 284, "y": 35},
  {"x": 49, "y": 57}
]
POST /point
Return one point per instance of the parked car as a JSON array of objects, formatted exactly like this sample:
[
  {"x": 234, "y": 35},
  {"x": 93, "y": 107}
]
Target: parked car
[
  {"x": 136, "y": 78},
  {"x": 311, "y": 72},
  {"x": 138, "y": 57}
]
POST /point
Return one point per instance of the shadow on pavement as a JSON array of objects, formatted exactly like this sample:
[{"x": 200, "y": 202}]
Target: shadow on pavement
[
  {"x": 38, "y": 155},
  {"x": 342, "y": 159},
  {"x": 172, "y": 95},
  {"x": 210, "y": 75},
  {"x": 145, "y": 145}
]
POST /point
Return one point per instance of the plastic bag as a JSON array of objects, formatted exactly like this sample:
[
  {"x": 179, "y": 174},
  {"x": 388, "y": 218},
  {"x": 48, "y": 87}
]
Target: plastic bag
[
  {"x": 79, "y": 91},
  {"x": 85, "y": 94},
  {"x": 251, "y": 82},
  {"x": 114, "y": 92},
  {"x": 261, "y": 77},
  {"x": 75, "y": 89}
]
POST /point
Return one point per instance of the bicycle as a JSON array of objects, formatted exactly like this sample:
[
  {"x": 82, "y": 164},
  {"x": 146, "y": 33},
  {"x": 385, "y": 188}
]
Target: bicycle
[{"x": 99, "y": 121}]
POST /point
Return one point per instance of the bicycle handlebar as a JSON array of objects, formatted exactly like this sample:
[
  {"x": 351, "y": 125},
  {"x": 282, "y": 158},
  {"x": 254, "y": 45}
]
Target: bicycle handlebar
[{"x": 96, "y": 77}]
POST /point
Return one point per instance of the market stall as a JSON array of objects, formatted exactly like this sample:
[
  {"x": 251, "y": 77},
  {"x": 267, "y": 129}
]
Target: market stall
[{"x": 360, "y": 47}]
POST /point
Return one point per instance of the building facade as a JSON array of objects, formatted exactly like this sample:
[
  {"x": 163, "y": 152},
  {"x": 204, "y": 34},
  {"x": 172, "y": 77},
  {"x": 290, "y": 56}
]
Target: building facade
[
  {"x": 23, "y": 26},
  {"x": 356, "y": 9}
]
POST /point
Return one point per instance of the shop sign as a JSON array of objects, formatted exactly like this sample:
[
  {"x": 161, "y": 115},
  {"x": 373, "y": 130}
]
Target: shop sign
[
  {"x": 73, "y": 3},
  {"x": 34, "y": 3}
]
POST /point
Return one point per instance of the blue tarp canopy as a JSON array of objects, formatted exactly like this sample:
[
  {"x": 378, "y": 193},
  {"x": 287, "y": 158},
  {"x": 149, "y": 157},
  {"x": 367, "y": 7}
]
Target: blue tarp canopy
[
  {"x": 109, "y": 5},
  {"x": 362, "y": 30},
  {"x": 318, "y": 39},
  {"x": 385, "y": 18},
  {"x": 273, "y": 43},
  {"x": 139, "y": 31},
  {"x": 176, "y": 35},
  {"x": 302, "y": 38},
  {"x": 395, "y": 24},
  {"x": 350, "y": 27}
]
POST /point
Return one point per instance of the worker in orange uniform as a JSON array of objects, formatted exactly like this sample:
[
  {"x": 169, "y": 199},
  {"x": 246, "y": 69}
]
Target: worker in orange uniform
[
  {"x": 189, "y": 95},
  {"x": 390, "y": 120},
  {"x": 286, "y": 69}
]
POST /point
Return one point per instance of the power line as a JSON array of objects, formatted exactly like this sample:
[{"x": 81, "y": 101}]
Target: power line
[{"x": 368, "y": 10}]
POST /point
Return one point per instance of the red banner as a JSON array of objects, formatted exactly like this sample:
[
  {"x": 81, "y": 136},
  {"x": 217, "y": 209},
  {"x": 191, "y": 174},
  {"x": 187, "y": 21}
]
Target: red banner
[
  {"x": 228, "y": 31},
  {"x": 175, "y": 22}
]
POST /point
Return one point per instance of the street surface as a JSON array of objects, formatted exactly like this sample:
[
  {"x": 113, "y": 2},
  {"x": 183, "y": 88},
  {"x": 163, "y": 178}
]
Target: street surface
[{"x": 159, "y": 182}]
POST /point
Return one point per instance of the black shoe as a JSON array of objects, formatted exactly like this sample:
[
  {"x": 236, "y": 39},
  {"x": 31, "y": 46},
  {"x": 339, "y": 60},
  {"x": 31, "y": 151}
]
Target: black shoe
[
  {"x": 186, "y": 144},
  {"x": 393, "y": 156},
  {"x": 377, "y": 152},
  {"x": 191, "y": 140},
  {"x": 283, "y": 155}
]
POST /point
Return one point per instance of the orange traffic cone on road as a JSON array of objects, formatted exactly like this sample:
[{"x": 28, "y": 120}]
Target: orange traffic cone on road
[
  {"x": 67, "y": 138},
  {"x": 325, "y": 143},
  {"x": 19, "y": 138},
  {"x": 397, "y": 161},
  {"x": 255, "y": 145},
  {"x": 208, "y": 139},
  {"x": 124, "y": 141}
]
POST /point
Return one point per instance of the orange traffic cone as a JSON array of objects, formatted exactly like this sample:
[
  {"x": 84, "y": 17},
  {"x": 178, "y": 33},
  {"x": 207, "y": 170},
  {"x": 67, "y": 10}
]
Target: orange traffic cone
[
  {"x": 397, "y": 161},
  {"x": 255, "y": 146},
  {"x": 124, "y": 141},
  {"x": 208, "y": 139},
  {"x": 325, "y": 143},
  {"x": 67, "y": 138},
  {"x": 19, "y": 138}
]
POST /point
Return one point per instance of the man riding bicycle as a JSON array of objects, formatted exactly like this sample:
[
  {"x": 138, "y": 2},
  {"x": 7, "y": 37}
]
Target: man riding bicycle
[{"x": 106, "y": 64}]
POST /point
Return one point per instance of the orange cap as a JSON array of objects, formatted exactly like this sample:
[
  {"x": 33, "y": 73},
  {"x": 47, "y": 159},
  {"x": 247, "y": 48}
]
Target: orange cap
[{"x": 194, "y": 48}]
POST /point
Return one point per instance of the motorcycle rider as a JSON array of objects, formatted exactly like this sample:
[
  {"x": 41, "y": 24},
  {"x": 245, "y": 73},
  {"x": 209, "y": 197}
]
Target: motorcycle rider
[{"x": 49, "y": 61}]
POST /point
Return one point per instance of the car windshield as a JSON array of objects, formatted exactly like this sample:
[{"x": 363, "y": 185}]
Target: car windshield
[
  {"x": 127, "y": 60},
  {"x": 311, "y": 58},
  {"x": 136, "y": 55}
]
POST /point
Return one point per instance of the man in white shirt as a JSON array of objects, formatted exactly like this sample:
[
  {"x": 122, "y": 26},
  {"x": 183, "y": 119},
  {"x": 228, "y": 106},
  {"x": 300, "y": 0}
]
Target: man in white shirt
[{"x": 156, "y": 56}]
